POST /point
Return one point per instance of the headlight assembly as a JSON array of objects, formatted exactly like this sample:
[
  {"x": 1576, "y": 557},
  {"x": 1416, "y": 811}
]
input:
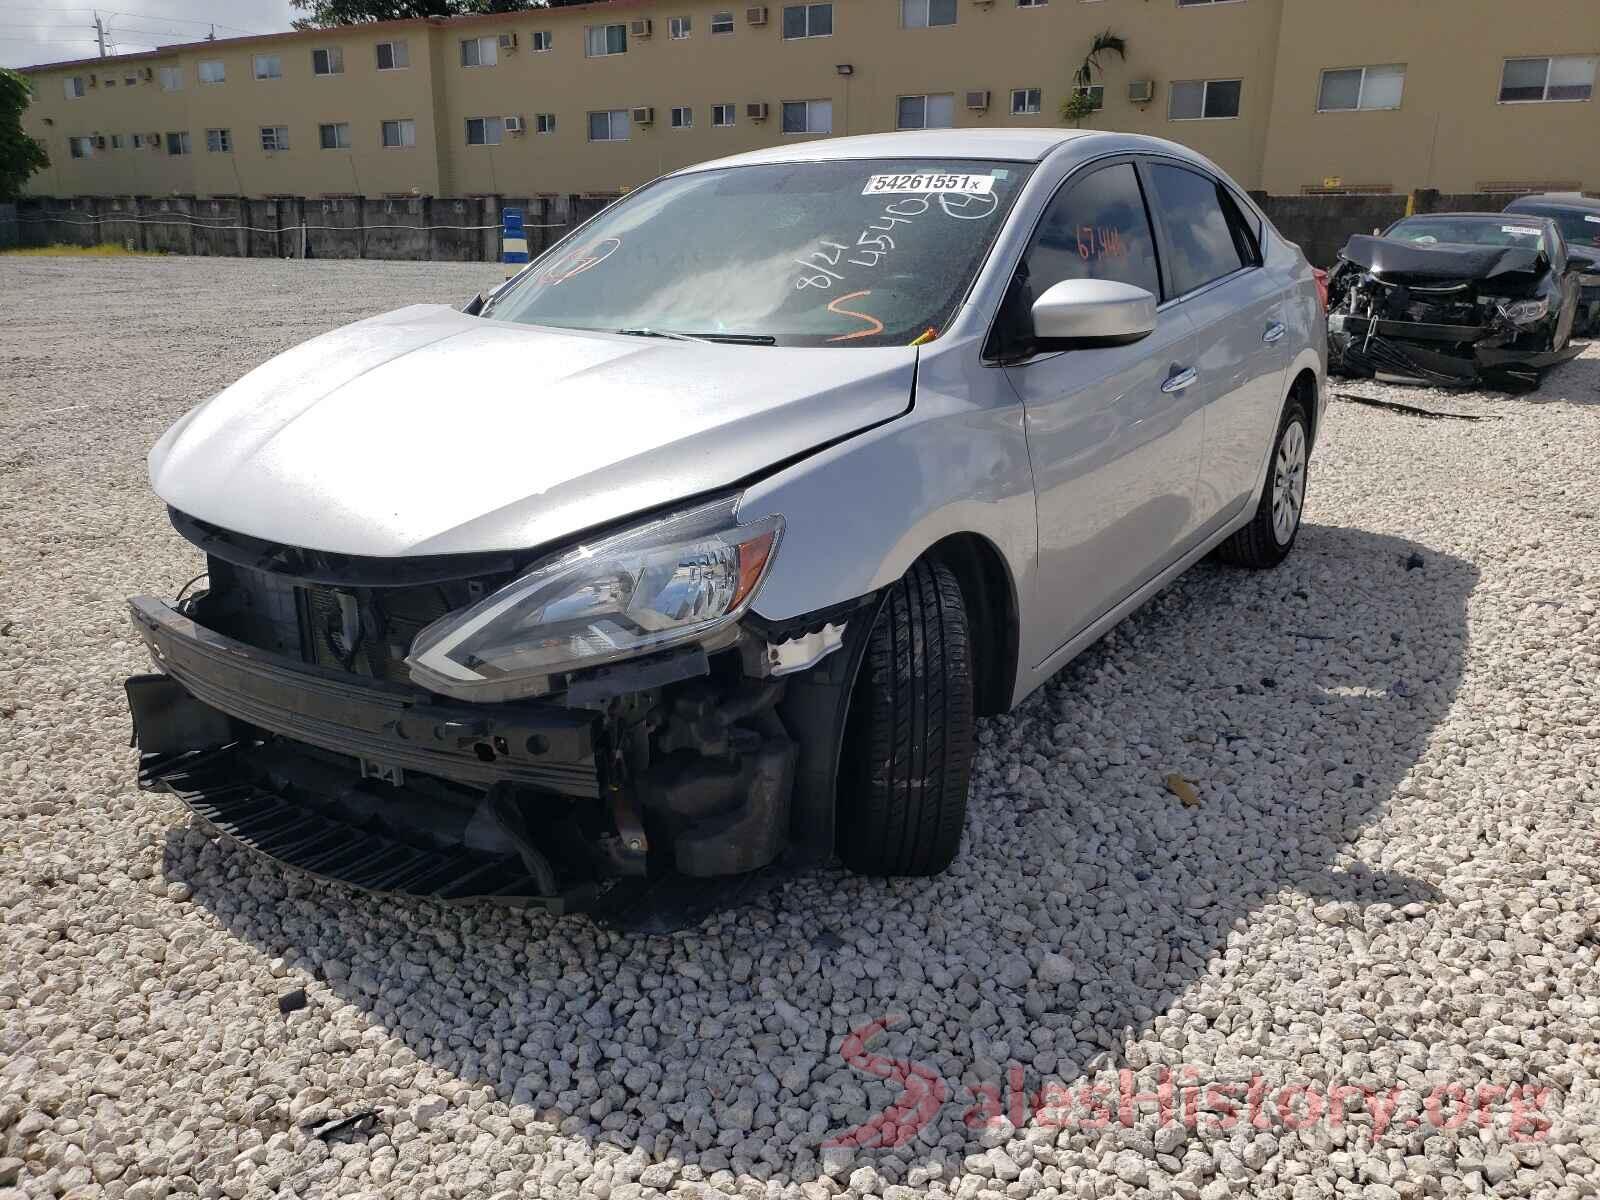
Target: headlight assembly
[
  {"x": 671, "y": 581},
  {"x": 1526, "y": 312}
]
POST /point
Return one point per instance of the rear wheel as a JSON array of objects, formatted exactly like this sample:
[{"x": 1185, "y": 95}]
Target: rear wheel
[
  {"x": 907, "y": 754},
  {"x": 1269, "y": 537}
]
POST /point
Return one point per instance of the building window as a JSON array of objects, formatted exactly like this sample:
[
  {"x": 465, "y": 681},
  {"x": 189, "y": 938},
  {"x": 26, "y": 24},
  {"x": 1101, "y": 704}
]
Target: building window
[
  {"x": 1032, "y": 3},
  {"x": 268, "y": 66},
  {"x": 679, "y": 28},
  {"x": 1198, "y": 3},
  {"x": 399, "y": 135},
  {"x": 178, "y": 143},
  {"x": 1525, "y": 80},
  {"x": 1203, "y": 99},
  {"x": 81, "y": 147},
  {"x": 335, "y": 136},
  {"x": 393, "y": 56},
  {"x": 329, "y": 61},
  {"x": 1024, "y": 102},
  {"x": 543, "y": 40},
  {"x": 73, "y": 87},
  {"x": 544, "y": 123},
  {"x": 485, "y": 131},
  {"x": 1361, "y": 87},
  {"x": 172, "y": 79},
  {"x": 211, "y": 70},
  {"x": 807, "y": 21},
  {"x": 274, "y": 137},
  {"x": 920, "y": 14},
  {"x": 808, "y": 116},
  {"x": 138, "y": 141},
  {"x": 1097, "y": 96},
  {"x": 219, "y": 141},
  {"x": 116, "y": 141},
  {"x": 926, "y": 112},
  {"x": 683, "y": 118},
  {"x": 721, "y": 22},
  {"x": 722, "y": 115},
  {"x": 609, "y": 126},
  {"x": 599, "y": 41},
  {"x": 480, "y": 52}
]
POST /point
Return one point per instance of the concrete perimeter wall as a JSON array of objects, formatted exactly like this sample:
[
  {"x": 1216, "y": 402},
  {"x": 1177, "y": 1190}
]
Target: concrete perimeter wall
[{"x": 8, "y": 225}]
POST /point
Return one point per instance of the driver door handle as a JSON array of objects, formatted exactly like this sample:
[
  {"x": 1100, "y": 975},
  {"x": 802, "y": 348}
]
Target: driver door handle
[
  {"x": 1179, "y": 380},
  {"x": 1274, "y": 332}
]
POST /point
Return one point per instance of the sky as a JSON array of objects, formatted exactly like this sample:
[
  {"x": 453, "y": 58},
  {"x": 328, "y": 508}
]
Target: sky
[{"x": 42, "y": 31}]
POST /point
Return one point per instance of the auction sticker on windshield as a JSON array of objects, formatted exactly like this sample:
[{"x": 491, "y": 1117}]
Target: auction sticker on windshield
[{"x": 927, "y": 181}]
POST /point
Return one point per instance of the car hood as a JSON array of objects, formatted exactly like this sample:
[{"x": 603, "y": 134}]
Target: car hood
[
  {"x": 427, "y": 431},
  {"x": 1394, "y": 258}
]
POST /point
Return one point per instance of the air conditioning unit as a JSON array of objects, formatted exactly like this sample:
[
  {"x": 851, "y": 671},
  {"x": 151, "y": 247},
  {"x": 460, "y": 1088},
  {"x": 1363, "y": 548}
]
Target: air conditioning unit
[
  {"x": 644, "y": 116},
  {"x": 756, "y": 111},
  {"x": 147, "y": 73},
  {"x": 640, "y": 28},
  {"x": 508, "y": 41},
  {"x": 1141, "y": 91},
  {"x": 756, "y": 16},
  {"x": 978, "y": 101},
  {"x": 515, "y": 125}
]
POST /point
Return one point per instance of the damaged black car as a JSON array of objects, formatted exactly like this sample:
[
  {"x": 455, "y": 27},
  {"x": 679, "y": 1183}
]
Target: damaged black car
[{"x": 1456, "y": 300}]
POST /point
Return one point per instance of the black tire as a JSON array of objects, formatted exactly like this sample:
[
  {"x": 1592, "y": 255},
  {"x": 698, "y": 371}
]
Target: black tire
[
  {"x": 1259, "y": 543},
  {"x": 907, "y": 754}
]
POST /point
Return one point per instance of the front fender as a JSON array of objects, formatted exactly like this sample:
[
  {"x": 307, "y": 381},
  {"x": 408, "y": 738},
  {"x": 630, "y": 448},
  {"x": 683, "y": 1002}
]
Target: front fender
[{"x": 858, "y": 514}]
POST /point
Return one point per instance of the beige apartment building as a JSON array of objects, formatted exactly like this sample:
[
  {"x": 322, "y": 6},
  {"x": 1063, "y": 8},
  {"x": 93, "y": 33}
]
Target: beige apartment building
[{"x": 1291, "y": 96}]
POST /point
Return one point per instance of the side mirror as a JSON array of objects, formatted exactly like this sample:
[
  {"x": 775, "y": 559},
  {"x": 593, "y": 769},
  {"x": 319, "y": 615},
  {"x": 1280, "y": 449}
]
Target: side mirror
[{"x": 1082, "y": 313}]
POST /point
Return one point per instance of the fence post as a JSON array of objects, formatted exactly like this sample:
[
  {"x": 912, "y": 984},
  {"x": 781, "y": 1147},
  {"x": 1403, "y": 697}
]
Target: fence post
[
  {"x": 489, "y": 239},
  {"x": 137, "y": 204},
  {"x": 361, "y": 226}
]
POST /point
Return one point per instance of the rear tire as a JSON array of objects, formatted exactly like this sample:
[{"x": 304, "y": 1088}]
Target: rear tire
[
  {"x": 907, "y": 755},
  {"x": 1266, "y": 541}
]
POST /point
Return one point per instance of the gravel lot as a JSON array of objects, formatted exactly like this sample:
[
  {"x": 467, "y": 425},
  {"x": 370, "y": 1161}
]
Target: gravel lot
[{"x": 1391, "y": 879}]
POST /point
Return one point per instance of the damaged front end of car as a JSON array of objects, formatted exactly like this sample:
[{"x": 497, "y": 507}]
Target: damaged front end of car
[
  {"x": 1445, "y": 315},
  {"x": 564, "y": 730}
]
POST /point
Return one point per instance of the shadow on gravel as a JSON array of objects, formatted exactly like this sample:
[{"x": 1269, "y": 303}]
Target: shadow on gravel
[{"x": 1296, "y": 699}]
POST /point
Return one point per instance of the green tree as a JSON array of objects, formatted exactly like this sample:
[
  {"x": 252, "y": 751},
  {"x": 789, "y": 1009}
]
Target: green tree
[
  {"x": 20, "y": 155},
  {"x": 1080, "y": 103},
  {"x": 324, "y": 13}
]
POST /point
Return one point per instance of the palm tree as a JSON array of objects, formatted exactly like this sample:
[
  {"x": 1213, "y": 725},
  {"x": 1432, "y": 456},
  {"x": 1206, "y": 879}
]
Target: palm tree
[{"x": 1104, "y": 43}]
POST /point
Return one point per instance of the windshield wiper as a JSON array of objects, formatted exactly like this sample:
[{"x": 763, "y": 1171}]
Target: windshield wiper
[{"x": 732, "y": 339}]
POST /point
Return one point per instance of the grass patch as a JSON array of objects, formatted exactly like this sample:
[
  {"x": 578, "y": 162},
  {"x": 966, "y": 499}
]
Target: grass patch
[{"x": 63, "y": 250}]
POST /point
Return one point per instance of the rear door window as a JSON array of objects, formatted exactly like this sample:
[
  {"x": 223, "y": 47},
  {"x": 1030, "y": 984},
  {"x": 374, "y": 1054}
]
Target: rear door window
[
  {"x": 1202, "y": 242},
  {"x": 1096, "y": 228}
]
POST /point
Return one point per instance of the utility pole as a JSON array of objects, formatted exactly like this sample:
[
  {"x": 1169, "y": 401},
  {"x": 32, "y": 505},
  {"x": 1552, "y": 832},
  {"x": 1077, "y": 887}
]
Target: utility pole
[
  {"x": 100, "y": 33},
  {"x": 212, "y": 36}
]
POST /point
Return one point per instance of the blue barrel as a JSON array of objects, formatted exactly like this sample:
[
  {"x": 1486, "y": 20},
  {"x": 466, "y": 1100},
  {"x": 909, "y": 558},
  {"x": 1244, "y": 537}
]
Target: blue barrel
[{"x": 513, "y": 241}]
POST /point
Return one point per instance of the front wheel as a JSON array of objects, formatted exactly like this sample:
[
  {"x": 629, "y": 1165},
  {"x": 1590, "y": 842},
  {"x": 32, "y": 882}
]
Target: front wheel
[
  {"x": 907, "y": 754},
  {"x": 1269, "y": 537}
]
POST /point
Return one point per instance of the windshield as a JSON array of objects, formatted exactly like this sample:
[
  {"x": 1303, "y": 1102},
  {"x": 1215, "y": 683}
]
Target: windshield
[
  {"x": 853, "y": 253},
  {"x": 1506, "y": 229},
  {"x": 1577, "y": 226}
]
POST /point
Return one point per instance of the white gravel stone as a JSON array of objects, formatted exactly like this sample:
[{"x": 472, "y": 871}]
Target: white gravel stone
[{"x": 1393, "y": 880}]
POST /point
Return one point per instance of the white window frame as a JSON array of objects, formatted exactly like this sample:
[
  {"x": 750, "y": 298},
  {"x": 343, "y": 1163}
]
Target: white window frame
[
  {"x": 81, "y": 146},
  {"x": 1097, "y": 92},
  {"x": 605, "y": 51},
  {"x": 399, "y": 55},
  {"x": 718, "y": 18},
  {"x": 219, "y": 141},
  {"x": 116, "y": 141},
  {"x": 809, "y": 130},
  {"x": 494, "y": 125},
  {"x": 544, "y": 41},
  {"x": 74, "y": 87},
  {"x": 679, "y": 28},
  {"x": 719, "y": 111},
  {"x": 138, "y": 141},
  {"x": 925, "y": 97},
  {"x": 1025, "y": 110},
  {"x": 544, "y": 122},
  {"x": 1033, "y": 3},
  {"x": 1550, "y": 61},
  {"x": 909, "y": 7},
  {"x": 274, "y": 61},
  {"x": 171, "y": 79},
  {"x": 333, "y": 56},
  {"x": 401, "y": 125},
  {"x": 1172, "y": 91},
  {"x": 211, "y": 65},
  {"x": 611, "y": 115},
  {"x": 807, "y": 8},
  {"x": 185, "y": 146},
  {"x": 1205, "y": 4},
  {"x": 682, "y": 117},
  {"x": 336, "y": 126},
  {"x": 1361, "y": 88},
  {"x": 277, "y": 136},
  {"x": 486, "y": 50}
]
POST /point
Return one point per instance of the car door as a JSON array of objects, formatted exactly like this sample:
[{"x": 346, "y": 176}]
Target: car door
[
  {"x": 1213, "y": 263},
  {"x": 1113, "y": 432}
]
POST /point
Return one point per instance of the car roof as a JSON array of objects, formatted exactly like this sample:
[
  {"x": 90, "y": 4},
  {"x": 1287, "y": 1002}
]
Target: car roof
[
  {"x": 1017, "y": 145},
  {"x": 1474, "y": 216},
  {"x": 1567, "y": 200}
]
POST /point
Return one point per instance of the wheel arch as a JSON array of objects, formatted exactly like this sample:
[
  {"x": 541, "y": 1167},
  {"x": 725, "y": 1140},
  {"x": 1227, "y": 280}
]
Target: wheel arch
[{"x": 990, "y": 595}]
